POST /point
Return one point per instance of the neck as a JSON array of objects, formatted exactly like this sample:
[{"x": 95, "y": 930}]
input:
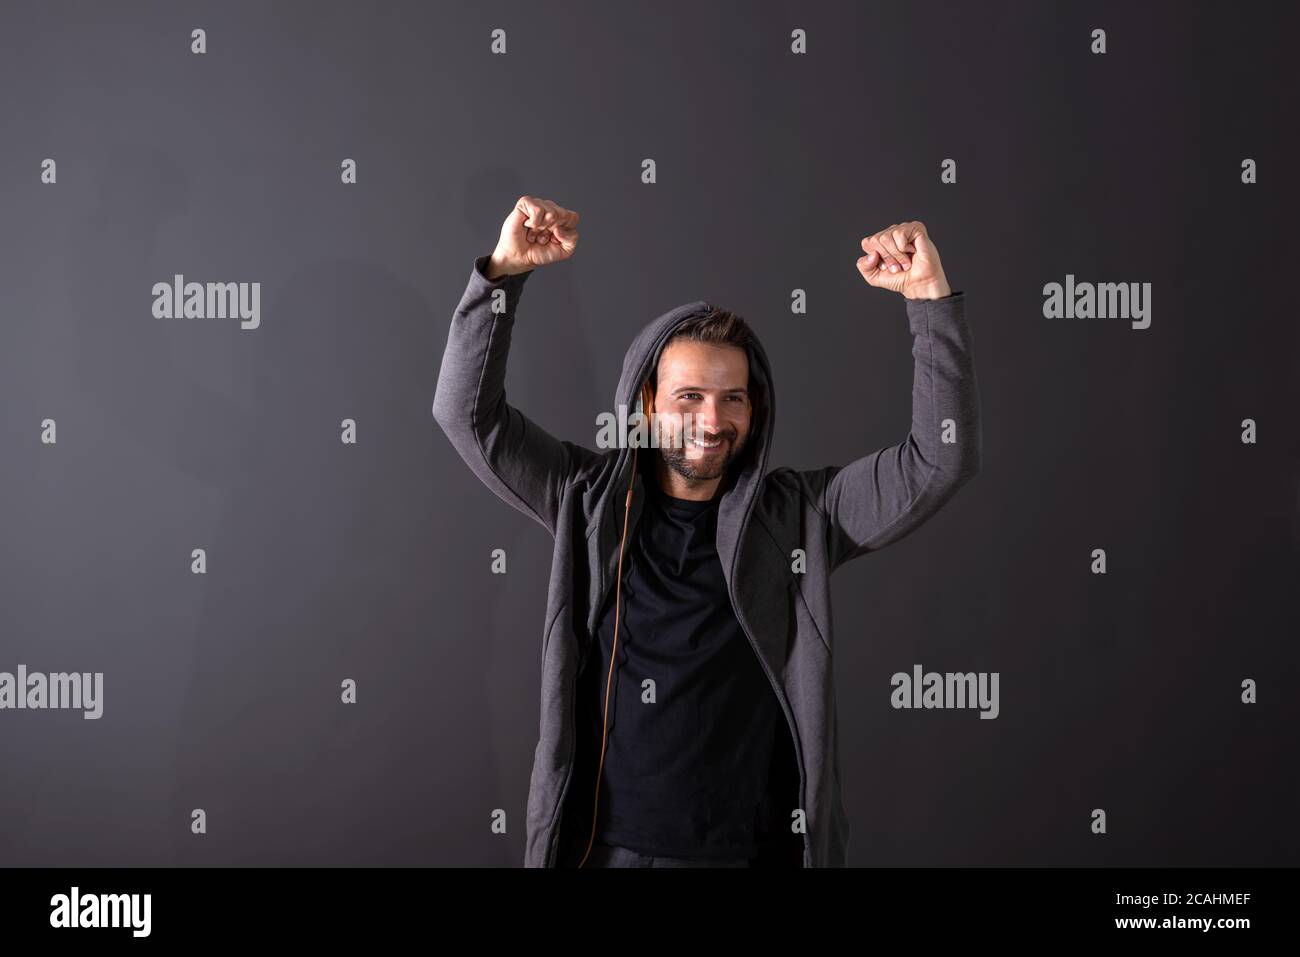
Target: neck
[{"x": 679, "y": 486}]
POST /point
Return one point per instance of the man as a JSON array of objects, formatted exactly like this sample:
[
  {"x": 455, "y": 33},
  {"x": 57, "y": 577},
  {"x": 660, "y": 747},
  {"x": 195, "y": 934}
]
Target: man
[{"x": 688, "y": 713}]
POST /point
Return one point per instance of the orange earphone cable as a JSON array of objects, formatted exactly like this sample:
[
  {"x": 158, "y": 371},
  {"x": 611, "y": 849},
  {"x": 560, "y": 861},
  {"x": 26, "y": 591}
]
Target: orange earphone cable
[{"x": 618, "y": 594}]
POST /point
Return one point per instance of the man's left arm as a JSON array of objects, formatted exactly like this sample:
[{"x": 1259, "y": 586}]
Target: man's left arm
[{"x": 881, "y": 497}]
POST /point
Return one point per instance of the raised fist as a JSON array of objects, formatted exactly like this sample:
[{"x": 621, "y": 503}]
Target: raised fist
[
  {"x": 902, "y": 259},
  {"x": 536, "y": 233}
]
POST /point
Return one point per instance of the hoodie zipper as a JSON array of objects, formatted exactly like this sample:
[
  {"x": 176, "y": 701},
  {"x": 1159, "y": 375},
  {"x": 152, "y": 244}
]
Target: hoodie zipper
[
  {"x": 785, "y": 709},
  {"x": 776, "y": 687},
  {"x": 558, "y": 814}
]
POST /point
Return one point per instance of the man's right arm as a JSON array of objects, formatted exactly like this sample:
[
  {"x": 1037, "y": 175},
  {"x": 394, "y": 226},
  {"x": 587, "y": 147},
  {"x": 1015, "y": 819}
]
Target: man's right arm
[{"x": 519, "y": 461}]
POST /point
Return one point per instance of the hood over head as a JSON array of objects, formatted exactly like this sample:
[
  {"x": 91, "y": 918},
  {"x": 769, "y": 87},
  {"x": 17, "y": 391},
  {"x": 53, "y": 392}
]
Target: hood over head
[
  {"x": 642, "y": 357},
  {"x": 739, "y": 487}
]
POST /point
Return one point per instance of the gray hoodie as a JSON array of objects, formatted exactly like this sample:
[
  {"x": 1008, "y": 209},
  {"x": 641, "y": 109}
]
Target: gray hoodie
[{"x": 781, "y": 531}]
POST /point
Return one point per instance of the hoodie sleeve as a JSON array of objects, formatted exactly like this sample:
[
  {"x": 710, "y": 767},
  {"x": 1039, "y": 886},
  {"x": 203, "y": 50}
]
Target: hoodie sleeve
[
  {"x": 519, "y": 461},
  {"x": 879, "y": 498}
]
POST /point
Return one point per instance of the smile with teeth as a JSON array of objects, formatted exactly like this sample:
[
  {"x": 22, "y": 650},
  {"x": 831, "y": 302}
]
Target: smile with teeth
[{"x": 702, "y": 443}]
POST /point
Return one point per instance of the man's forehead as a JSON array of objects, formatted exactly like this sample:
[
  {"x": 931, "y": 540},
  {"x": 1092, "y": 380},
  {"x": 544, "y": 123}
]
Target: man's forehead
[{"x": 681, "y": 357}]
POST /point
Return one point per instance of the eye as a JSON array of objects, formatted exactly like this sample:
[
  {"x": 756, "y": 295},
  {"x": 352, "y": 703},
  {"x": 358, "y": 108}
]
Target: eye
[{"x": 689, "y": 395}]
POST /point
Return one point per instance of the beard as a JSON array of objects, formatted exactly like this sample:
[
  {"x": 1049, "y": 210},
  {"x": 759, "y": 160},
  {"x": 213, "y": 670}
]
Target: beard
[{"x": 713, "y": 464}]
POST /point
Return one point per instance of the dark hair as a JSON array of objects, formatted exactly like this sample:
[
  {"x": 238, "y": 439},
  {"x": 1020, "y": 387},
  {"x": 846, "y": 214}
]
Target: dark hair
[{"x": 719, "y": 327}]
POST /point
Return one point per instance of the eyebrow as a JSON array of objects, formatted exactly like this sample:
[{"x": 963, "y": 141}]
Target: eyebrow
[{"x": 700, "y": 388}]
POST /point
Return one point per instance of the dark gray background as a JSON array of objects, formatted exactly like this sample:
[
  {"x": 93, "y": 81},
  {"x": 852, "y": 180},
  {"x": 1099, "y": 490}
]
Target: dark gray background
[{"x": 372, "y": 562}]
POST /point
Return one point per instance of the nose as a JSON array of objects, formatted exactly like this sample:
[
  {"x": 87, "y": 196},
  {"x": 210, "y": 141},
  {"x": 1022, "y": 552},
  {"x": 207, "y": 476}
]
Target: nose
[{"x": 707, "y": 421}]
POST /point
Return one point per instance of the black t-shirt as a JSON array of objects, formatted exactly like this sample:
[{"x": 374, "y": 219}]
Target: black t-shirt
[{"x": 705, "y": 768}]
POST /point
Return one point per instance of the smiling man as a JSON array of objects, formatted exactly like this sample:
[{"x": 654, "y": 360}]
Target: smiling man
[
  {"x": 688, "y": 713},
  {"x": 701, "y": 408}
]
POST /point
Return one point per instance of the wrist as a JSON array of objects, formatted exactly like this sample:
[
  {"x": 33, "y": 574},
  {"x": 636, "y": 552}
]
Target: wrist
[
  {"x": 496, "y": 268},
  {"x": 936, "y": 289}
]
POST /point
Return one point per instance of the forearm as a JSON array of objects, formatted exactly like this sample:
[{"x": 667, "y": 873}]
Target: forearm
[
  {"x": 473, "y": 369},
  {"x": 944, "y": 446}
]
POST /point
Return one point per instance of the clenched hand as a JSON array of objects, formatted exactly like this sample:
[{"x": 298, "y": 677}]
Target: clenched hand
[
  {"x": 902, "y": 259},
  {"x": 536, "y": 233}
]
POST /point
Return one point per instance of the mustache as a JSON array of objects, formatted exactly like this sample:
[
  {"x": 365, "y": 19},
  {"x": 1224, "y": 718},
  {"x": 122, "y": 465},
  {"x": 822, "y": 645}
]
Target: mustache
[
  {"x": 681, "y": 433},
  {"x": 729, "y": 435}
]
